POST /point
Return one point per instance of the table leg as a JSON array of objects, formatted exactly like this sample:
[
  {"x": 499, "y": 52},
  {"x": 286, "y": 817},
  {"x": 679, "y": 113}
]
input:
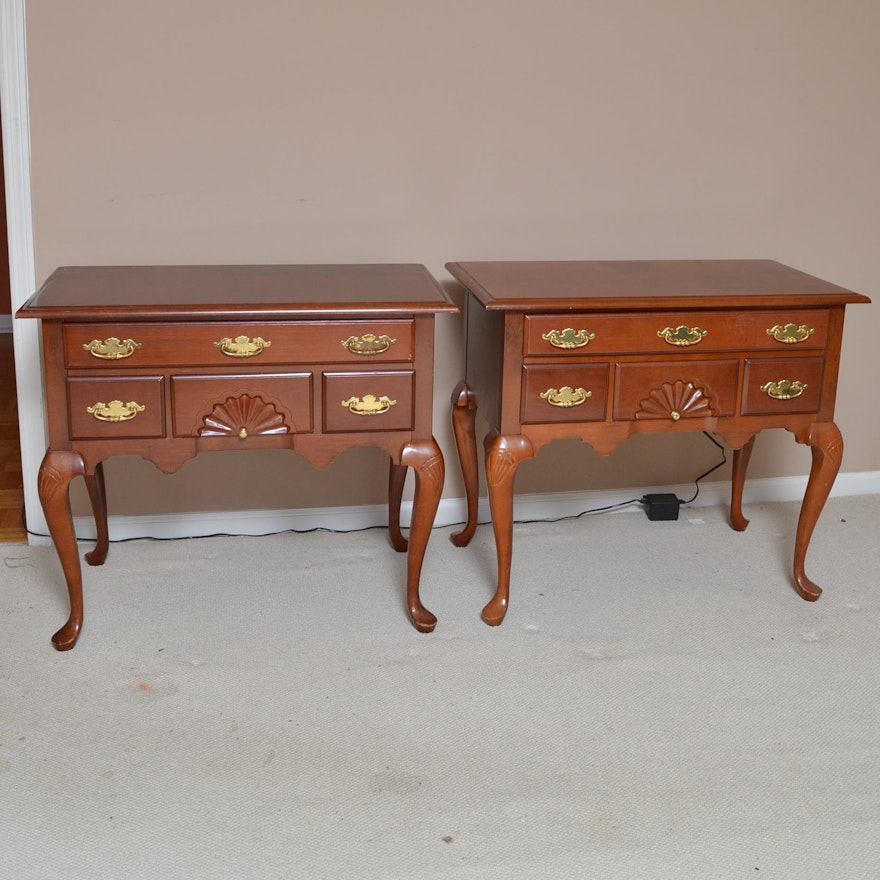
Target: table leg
[
  {"x": 59, "y": 467},
  {"x": 396, "y": 479},
  {"x": 464, "y": 411},
  {"x": 98, "y": 497},
  {"x": 740, "y": 466},
  {"x": 503, "y": 456},
  {"x": 826, "y": 443},
  {"x": 426, "y": 460}
]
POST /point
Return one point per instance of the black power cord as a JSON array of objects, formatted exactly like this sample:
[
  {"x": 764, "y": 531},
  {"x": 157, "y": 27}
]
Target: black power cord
[
  {"x": 665, "y": 506},
  {"x": 711, "y": 469},
  {"x": 616, "y": 506}
]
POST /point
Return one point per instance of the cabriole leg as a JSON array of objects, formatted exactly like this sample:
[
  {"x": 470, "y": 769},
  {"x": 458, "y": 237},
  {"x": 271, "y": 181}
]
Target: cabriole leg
[
  {"x": 826, "y": 444},
  {"x": 426, "y": 460},
  {"x": 98, "y": 497},
  {"x": 396, "y": 480},
  {"x": 738, "y": 480},
  {"x": 503, "y": 456},
  {"x": 53, "y": 483},
  {"x": 464, "y": 411}
]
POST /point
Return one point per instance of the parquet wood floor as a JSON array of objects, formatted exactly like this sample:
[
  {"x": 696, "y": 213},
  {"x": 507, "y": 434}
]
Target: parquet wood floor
[{"x": 12, "y": 528}]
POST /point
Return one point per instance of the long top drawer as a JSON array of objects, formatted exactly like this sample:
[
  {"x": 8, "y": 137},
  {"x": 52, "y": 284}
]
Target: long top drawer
[
  {"x": 569, "y": 333},
  {"x": 87, "y": 346}
]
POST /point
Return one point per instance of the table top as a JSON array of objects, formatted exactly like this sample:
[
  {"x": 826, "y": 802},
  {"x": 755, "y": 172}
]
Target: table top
[
  {"x": 87, "y": 293},
  {"x": 606, "y": 285}
]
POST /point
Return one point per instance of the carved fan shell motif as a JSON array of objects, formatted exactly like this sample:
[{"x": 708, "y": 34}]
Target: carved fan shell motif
[
  {"x": 251, "y": 415},
  {"x": 675, "y": 400}
]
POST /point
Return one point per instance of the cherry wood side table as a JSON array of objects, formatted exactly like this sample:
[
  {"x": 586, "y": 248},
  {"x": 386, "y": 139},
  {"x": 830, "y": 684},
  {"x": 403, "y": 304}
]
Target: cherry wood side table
[
  {"x": 604, "y": 350},
  {"x": 167, "y": 361}
]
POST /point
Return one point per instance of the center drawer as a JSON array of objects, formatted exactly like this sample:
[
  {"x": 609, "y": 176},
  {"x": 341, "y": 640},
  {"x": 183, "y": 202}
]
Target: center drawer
[
  {"x": 87, "y": 346},
  {"x": 242, "y": 405},
  {"x": 668, "y": 389}
]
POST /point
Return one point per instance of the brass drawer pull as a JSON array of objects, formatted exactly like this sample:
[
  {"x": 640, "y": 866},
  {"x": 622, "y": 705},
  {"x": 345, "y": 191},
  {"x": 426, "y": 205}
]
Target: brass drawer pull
[
  {"x": 242, "y": 346},
  {"x": 791, "y": 333},
  {"x": 369, "y": 405},
  {"x": 111, "y": 349},
  {"x": 115, "y": 411},
  {"x": 682, "y": 335},
  {"x": 784, "y": 389},
  {"x": 565, "y": 396},
  {"x": 568, "y": 338},
  {"x": 368, "y": 344}
]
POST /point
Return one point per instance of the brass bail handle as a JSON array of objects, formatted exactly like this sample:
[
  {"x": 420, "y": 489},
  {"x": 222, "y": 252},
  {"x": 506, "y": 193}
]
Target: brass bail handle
[
  {"x": 112, "y": 349},
  {"x": 568, "y": 338},
  {"x": 369, "y": 405},
  {"x": 368, "y": 344},
  {"x": 565, "y": 396},
  {"x": 791, "y": 334},
  {"x": 115, "y": 411},
  {"x": 784, "y": 389},
  {"x": 682, "y": 335},
  {"x": 242, "y": 346}
]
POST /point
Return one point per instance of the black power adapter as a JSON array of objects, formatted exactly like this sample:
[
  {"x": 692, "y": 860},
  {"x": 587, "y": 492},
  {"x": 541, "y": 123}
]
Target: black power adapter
[{"x": 661, "y": 506}]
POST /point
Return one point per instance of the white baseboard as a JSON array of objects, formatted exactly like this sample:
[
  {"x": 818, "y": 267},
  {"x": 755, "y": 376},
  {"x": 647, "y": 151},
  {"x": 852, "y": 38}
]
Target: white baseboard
[{"x": 451, "y": 511}]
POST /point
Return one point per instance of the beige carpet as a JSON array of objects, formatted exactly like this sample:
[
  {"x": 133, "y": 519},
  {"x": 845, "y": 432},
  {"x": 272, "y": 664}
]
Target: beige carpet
[{"x": 658, "y": 704}]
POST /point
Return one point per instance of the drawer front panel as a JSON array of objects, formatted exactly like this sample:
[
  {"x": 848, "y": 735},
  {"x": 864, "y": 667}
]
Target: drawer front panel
[
  {"x": 368, "y": 401},
  {"x": 789, "y": 385},
  {"x": 88, "y": 346},
  {"x": 675, "y": 391},
  {"x": 256, "y": 404},
  {"x": 101, "y": 409},
  {"x": 564, "y": 393},
  {"x": 586, "y": 334}
]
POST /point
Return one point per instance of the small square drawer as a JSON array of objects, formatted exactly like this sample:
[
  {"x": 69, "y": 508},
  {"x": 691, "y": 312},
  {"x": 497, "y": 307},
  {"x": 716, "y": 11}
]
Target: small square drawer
[
  {"x": 674, "y": 391},
  {"x": 564, "y": 393},
  {"x": 116, "y": 407},
  {"x": 368, "y": 401},
  {"x": 674, "y": 332},
  {"x": 88, "y": 346},
  {"x": 245, "y": 405},
  {"x": 789, "y": 385}
]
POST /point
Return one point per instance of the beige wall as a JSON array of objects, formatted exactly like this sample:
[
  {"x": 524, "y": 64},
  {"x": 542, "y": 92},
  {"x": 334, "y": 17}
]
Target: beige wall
[{"x": 426, "y": 131}]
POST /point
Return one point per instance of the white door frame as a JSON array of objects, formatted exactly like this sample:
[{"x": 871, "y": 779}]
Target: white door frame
[{"x": 22, "y": 281}]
